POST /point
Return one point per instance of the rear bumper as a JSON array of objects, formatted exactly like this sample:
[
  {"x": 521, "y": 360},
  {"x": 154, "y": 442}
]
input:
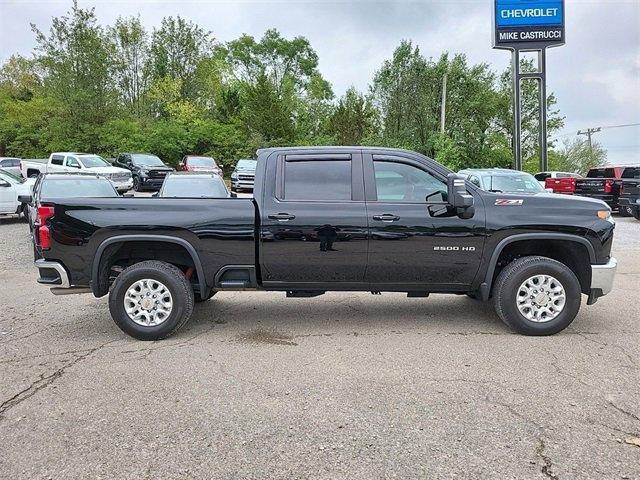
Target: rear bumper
[
  {"x": 55, "y": 275},
  {"x": 602, "y": 277}
]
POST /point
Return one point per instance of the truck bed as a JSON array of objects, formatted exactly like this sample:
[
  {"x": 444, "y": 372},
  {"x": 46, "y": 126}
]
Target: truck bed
[{"x": 222, "y": 231}]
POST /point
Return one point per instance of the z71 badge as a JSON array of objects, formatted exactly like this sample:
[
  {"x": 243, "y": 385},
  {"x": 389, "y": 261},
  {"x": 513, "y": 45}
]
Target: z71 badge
[{"x": 509, "y": 201}]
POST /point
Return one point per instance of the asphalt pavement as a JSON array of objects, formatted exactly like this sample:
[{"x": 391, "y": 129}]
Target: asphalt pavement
[{"x": 345, "y": 385}]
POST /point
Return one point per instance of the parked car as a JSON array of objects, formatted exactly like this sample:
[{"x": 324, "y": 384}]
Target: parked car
[
  {"x": 194, "y": 163},
  {"x": 148, "y": 170},
  {"x": 11, "y": 165},
  {"x": 602, "y": 183},
  {"x": 65, "y": 185},
  {"x": 65, "y": 162},
  {"x": 12, "y": 188},
  {"x": 629, "y": 199},
  {"x": 194, "y": 185},
  {"x": 502, "y": 180},
  {"x": 243, "y": 175},
  {"x": 429, "y": 231},
  {"x": 542, "y": 177}
]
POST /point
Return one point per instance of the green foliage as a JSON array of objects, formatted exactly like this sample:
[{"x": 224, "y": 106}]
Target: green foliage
[{"x": 175, "y": 91}]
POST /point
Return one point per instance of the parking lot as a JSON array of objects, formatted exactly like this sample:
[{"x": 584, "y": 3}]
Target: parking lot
[{"x": 345, "y": 385}]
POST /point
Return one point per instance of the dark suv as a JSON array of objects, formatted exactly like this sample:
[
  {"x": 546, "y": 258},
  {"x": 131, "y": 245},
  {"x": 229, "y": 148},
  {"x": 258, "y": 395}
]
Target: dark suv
[{"x": 148, "y": 170}]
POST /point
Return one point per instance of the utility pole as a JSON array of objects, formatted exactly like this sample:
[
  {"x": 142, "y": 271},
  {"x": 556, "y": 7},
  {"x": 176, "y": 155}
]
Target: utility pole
[
  {"x": 588, "y": 132},
  {"x": 443, "y": 103}
]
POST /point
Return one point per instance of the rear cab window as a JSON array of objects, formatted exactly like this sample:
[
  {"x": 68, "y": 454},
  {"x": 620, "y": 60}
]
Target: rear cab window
[
  {"x": 57, "y": 160},
  {"x": 76, "y": 187},
  {"x": 601, "y": 173},
  {"x": 631, "y": 172},
  {"x": 317, "y": 179}
]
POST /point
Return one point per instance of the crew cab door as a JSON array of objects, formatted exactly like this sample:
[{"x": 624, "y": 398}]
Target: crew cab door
[
  {"x": 56, "y": 164},
  {"x": 415, "y": 239},
  {"x": 313, "y": 220}
]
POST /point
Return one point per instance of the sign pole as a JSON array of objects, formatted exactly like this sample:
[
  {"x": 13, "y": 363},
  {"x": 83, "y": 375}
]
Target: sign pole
[
  {"x": 517, "y": 115},
  {"x": 542, "y": 112}
]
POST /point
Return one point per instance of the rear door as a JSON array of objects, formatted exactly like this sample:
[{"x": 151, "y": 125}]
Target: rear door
[
  {"x": 415, "y": 240},
  {"x": 313, "y": 220},
  {"x": 56, "y": 164}
]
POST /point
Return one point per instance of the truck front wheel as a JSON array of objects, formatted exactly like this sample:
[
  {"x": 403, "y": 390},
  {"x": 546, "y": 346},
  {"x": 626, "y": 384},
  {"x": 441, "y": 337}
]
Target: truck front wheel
[
  {"x": 537, "y": 295},
  {"x": 151, "y": 300}
]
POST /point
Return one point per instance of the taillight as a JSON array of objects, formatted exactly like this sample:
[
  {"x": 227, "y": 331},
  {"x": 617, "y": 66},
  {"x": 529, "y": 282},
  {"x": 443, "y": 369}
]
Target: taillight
[
  {"x": 572, "y": 184},
  {"x": 44, "y": 235},
  {"x": 608, "y": 186}
]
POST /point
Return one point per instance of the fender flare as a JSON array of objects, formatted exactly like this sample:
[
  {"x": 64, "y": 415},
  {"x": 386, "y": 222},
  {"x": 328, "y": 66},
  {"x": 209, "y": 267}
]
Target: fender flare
[
  {"x": 485, "y": 286},
  {"x": 95, "y": 268}
]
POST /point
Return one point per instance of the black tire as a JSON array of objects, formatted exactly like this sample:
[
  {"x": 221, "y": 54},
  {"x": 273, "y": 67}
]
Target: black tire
[
  {"x": 515, "y": 274},
  {"x": 137, "y": 185},
  {"x": 199, "y": 299},
  {"x": 625, "y": 211},
  {"x": 168, "y": 275}
]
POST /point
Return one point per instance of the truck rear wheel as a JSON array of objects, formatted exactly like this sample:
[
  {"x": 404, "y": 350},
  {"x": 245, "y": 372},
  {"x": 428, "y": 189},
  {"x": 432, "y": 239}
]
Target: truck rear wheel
[
  {"x": 151, "y": 300},
  {"x": 537, "y": 296}
]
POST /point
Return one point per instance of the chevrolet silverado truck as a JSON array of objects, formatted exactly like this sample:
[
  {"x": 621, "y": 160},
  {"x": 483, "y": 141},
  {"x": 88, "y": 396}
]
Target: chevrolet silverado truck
[
  {"x": 332, "y": 219},
  {"x": 602, "y": 183}
]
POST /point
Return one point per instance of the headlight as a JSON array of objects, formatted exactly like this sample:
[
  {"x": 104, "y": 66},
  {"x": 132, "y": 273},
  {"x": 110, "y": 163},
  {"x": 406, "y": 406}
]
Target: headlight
[
  {"x": 604, "y": 214},
  {"x": 144, "y": 172}
]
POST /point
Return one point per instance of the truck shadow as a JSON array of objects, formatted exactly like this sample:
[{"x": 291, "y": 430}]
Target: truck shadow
[{"x": 356, "y": 315}]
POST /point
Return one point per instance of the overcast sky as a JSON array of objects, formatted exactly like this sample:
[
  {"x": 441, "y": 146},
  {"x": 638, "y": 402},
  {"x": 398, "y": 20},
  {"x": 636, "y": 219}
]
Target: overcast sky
[{"x": 596, "y": 75}]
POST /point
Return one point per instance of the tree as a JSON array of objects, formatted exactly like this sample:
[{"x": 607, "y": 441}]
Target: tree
[
  {"x": 577, "y": 156},
  {"x": 353, "y": 119},
  {"x": 76, "y": 59},
  {"x": 131, "y": 53},
  {"x": 177, "y": 47}
]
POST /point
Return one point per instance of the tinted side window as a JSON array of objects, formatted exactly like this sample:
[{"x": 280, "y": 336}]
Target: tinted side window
[
  {"x": 317, "y": 180},
  {"x": 57, "y": 159},
  {"x": 631, "y": 172},
  {"x": 399, "y": 182},
  {"x": 541, "y": 177}
]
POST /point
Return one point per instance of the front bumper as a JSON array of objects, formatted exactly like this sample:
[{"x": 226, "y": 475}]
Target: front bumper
[
  {"x": 602, "y": 277},
  {"x": 123, "y": 186}
]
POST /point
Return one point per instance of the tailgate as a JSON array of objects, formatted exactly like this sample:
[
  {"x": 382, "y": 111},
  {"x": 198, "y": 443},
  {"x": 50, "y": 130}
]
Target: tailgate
[
  {"x": 631, "y": 188},
  {"x": 590, "y": 185}
]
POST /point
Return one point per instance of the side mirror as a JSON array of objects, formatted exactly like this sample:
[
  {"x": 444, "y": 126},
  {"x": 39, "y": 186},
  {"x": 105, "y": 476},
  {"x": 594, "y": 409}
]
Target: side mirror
[
  {"x": 457, "y": 194},
  {"x": 27, "y": 199},
  {"x": 4, "y": 184},
  {"x": 155, "y": 194}
]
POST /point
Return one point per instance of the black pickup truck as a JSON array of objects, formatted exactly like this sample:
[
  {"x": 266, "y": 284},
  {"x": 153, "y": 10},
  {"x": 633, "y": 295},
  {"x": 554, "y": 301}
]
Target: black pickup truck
[
  {"x": 332, "y": 219},
  {"x": 629, "y": 199}
]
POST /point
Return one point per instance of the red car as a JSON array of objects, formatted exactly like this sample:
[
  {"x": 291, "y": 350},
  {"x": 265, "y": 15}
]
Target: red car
[{"x": 195, "y": 163}]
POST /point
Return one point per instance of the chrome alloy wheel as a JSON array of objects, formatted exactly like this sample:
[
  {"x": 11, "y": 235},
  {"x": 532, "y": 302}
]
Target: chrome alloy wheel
[
  {"x": 148, "y": 302},
  {"x": 541, "y": 298}
]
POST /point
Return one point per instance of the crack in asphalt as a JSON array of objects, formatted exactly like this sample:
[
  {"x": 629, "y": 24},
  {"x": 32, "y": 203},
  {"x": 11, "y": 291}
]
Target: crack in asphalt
[
  {"x": 631, "y": 359},
  {"x": 622, "y": 410},
  {"x": 44, "y": 381},
  {"x": 547, "y": 466}
]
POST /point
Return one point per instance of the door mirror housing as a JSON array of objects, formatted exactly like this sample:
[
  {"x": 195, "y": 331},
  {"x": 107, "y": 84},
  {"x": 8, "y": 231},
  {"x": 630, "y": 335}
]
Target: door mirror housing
[
  {"x": 27, "y": 199},
  {"x": 4, "y": 184},
  {"x": 457, "y": 194}
]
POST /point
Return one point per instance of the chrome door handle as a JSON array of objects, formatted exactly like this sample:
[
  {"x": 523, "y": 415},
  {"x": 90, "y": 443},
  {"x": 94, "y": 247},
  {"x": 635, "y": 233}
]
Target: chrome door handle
[
  {"x": 282, "y": 217},
  {"x": 387, "y": 217}
]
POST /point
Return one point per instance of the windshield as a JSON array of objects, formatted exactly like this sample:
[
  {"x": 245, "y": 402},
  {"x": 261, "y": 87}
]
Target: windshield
[
  {"x": 10, "y": 177},
  {"x": 246, "y": 164},
  {"x": 92, "y": 161},
  {"x": 146, "y": 161},
  {"x": 77, "y": 187},
  {"x": 178, "y": 186},
  {"x": 201, "y": 161},
  {"x": 511, "y": 183}
]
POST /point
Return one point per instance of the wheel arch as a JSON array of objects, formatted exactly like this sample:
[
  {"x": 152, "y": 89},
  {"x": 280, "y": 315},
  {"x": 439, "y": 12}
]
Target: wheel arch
[
  {"x": 123, "y": 239},
  {"x": 514, "y": 240}
]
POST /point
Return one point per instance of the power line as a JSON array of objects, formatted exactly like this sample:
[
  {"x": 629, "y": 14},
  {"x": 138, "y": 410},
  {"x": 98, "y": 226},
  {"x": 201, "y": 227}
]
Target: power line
[{"x": 580, "y": 132}]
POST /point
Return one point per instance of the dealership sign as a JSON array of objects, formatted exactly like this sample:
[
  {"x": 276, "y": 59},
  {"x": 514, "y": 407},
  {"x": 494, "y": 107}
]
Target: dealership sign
[{"x": 522, "y": 23}]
